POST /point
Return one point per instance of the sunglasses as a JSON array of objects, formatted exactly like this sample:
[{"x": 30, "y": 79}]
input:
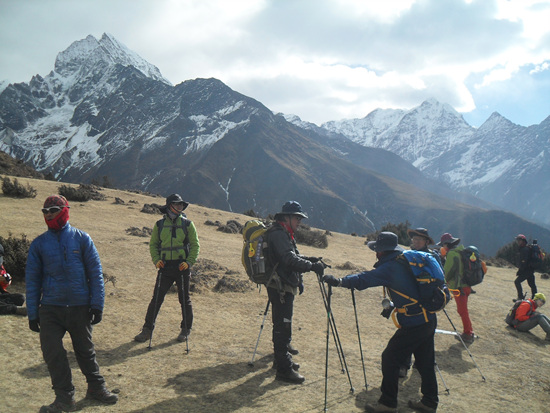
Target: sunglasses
[{"x": 51, "y": 210}]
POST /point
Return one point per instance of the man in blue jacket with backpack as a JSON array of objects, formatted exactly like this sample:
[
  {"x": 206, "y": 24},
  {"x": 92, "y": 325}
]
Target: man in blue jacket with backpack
[
  {"x": 65, "y": 293},
  {"x": 416, "y": 327}
]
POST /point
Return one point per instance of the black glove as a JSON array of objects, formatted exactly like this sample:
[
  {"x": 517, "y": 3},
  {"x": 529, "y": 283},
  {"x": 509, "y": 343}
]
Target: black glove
[
  {"x": 332, "y": 280},
  {"x": 95, "y": 316},
  {"x": 318, "y": 267},
  {"x": 386, "y": 312},
  {"x": 301, "y": 288},
  {"x": 34, "y": 325},
  {"x": 313, "y": 260}
]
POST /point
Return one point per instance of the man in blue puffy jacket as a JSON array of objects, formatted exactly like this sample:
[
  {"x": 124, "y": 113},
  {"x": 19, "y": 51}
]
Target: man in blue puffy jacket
[
  {"x": 416, "y": 331},
  {"x": 65, "y": 293}
]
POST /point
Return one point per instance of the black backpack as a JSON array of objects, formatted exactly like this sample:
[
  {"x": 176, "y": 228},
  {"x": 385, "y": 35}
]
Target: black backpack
[
  {"x": 536, "y": 255},
  {"x": 474, "y": 269}
]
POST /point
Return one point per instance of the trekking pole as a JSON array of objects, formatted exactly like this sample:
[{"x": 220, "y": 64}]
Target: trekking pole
[
  {"x": 184, "y": 302},
  {"x": 332, "y": 329},
  {"x": 251, "y": 362},
  {"x": 326, "y": 345},
  {"x": 359, "y": 336},
  {"x": 157, "y": 288},
  {"x": 335, "y": 332},
  {"x": 464, "y": 344},
  {"x": 441, "y": 376}
]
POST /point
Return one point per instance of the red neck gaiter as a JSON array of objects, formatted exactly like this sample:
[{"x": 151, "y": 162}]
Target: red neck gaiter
[
  {"x": 59, "y": 221},
  {"x": 288, "y": 228}
]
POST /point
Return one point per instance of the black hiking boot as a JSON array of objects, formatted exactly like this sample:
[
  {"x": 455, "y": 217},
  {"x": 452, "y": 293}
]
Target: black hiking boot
[
  {"x": 184, "y": 335},
  {"x": 295, "y": 366},
  {"x": 290, "y": 375},
  {"x": 292, "y": 350},
  {"x": 145, "y": 335},
  {"x": 58, "y": 407},
  {"x": 102, "y": 394},
  {"x": 418, "y": 406}
]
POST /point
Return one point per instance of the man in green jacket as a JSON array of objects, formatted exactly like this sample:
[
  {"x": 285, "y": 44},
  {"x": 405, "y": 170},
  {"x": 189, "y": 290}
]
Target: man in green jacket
[{"x": 174, "y": 248}]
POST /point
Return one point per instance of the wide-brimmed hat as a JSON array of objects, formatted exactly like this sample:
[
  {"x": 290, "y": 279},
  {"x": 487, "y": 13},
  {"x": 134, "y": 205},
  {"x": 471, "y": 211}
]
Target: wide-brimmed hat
[
  {"x": 176, "y": 199},
  {"x": 421, "y": 232},
  {"x": 448, "y": 239},
  {"x": 386, "y": 241},
  {"x": 291, "y": 208}
]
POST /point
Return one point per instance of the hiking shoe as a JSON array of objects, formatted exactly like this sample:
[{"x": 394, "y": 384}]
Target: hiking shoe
[
  {"x": 102, "y": 394},
  {"x": 403, "y": 372},
  {"x": 421, "y": 407},
  {"x": 21, "y": 311},
  {"x": 292, "y": 350},
  {"x": 295, "y": 366},
  {"x": 467, "y": 338},
  {"x": 58, "y": 407},
  {"x": 184, "y": 335},
  {"x": 379, "y": 407},
  {"x": 290, "y": 375},
  {"x": 144, "y": 335}
]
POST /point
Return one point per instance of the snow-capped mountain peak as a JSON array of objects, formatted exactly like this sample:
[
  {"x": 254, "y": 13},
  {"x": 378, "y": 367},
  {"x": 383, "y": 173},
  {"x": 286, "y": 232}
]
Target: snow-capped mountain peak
[{"x": 89, "y": 52}]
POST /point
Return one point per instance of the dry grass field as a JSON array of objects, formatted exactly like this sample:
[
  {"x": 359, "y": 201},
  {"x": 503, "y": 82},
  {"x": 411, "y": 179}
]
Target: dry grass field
[{"x": 215, "y": 376}]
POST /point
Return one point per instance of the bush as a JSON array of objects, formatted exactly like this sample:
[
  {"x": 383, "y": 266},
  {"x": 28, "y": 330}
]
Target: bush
[
  {"x": 15, "y": 256},
  {"x": 17, "y": 190},
  {"x": 305, "y": 235},
  {"x": 400, "y": 230},
  {"x": 83, "y": 193}
]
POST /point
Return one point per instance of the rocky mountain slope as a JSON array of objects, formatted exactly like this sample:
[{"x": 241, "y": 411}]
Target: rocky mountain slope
[{"x": 500, "y": 162}]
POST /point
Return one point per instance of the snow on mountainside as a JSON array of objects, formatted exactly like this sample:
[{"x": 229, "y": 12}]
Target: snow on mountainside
[
  {"x": 103, "y": 101},
  {"x": 500, "y": 162},
  {"x": 89, "y": 51}
]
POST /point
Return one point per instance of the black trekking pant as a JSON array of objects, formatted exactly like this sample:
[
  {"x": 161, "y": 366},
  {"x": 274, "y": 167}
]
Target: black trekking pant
[
  {"x": 419, "y": 341},
  {"x": 54, "y": 323},
  {"x": 281, "y": 316},
  {"x": 530, "y": 277},
  {"x": 167, "y": 276}
]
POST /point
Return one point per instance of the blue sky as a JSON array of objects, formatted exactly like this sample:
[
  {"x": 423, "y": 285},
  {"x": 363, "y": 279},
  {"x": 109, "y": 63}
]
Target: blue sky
[{"x": 319, "y": 59}]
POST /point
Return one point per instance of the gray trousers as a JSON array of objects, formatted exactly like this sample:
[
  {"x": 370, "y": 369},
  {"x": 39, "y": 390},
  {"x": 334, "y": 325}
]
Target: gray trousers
[
  {"x": 54, "y": 323},
  {"x": 536, "y": 319}
]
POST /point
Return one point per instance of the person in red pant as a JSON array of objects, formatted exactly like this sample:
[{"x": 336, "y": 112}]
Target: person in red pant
[{"x": 454, "y": 271}]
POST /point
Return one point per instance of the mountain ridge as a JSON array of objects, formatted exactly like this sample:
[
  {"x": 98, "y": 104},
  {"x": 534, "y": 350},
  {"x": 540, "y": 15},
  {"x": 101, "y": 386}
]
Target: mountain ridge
[{"x": 224, "y": 150}]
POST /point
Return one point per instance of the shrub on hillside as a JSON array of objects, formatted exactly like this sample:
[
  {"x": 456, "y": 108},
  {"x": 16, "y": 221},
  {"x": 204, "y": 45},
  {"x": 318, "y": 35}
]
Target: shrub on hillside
[
  {"x": 400, "y": 230},
  {"x": 17, "y": 190},
  {"x": 83, "y": 193},
  {"x": 151, "y": 209},
  {"x": 314, "y": 238},
  {"x": 15, "y": 256}
]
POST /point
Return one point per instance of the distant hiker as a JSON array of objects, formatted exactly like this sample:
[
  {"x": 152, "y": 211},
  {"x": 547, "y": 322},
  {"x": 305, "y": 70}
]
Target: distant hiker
[
  {"x": 527, "y": 317},
  {"x": 454, "y": 270},
  {"x": 416, "y": 335},
  {"x": 174, "y": 248},
  {"x": 525, "y": 269},
  {"x": 66, "y": 293},
  {"x": 285, "y": 284},
  {"x": 420, "y": 240},
  {"x": 10, "y": 303}
]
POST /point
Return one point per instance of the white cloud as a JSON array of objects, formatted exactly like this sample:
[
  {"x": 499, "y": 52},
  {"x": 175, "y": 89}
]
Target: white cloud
[{"x": 318, "y": 59}]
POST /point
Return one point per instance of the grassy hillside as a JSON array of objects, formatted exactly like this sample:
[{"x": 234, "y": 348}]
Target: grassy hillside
[{"x": 215, "y": 376}]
